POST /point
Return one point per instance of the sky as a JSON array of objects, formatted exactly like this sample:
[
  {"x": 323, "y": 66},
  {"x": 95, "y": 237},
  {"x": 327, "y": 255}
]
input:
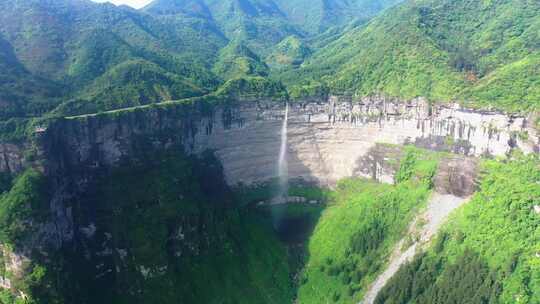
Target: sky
[{"x": 132, "y": 3}]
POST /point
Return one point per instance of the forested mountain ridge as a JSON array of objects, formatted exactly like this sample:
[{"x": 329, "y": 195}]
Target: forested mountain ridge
[
  {"x": 75, "y": 43},
  {"x": 75, "y": 57},
  {"x": 319, "y": 16},
  {"x": 484, "y": 52},
  {"x": 264, "y": 23},
  {"x": 87, "y": 57}
]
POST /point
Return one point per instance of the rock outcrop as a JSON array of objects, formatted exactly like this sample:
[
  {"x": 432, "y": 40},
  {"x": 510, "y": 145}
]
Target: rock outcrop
[{"x": 12, "y": 158}]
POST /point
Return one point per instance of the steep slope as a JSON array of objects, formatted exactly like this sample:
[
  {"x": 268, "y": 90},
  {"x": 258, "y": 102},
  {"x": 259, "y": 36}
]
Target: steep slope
[
  {"x": 421, "y": 231},
  {"x": 488, "y": 252},
  {"x": 320, "y": 15},
  {"x": 21, "y": 93},
  {"x": 356, "y": 233},
  {"x": 291, "y": 52},
  {"x": 259, "y": 23},
  {"x": 442, "y": 50},
  {"x": 74, "y": 43}
]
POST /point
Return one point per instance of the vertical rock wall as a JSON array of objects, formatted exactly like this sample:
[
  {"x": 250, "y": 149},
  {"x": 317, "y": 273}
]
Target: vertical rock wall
[{"x": 327, "y": 140}]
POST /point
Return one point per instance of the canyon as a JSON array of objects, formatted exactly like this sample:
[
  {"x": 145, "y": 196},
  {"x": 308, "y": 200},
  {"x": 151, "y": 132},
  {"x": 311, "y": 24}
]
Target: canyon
[{"x": 326, "y": 140}]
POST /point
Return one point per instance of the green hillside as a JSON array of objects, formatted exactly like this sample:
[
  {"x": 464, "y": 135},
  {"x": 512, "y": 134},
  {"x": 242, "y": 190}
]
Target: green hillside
[
  {"x": 83, "y": 57},
  {"x": 487, "y": 252},
  {"x": 76, "y": 54},
  {"x": 259, "y": 23},
  {"x": 318, "y": 16},
  {"x": 291, "y": 52},
  {"x": 443, "y": 50},
  {"x": 89, "y": 51},
  {"x": 358, "y": 230},
  {"x": 21, "y": 93}
]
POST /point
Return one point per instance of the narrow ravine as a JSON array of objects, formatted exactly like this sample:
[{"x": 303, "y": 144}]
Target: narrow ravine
[{"x": 422, "y": 230}]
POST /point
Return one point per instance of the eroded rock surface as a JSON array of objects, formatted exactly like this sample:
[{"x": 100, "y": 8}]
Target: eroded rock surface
[
  {"x": 327, "y": 140},
  {"x": 456, "y": 176}
]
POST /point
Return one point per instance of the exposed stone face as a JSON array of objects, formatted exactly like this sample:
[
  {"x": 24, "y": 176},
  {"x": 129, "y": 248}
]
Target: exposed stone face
[
  {"x": 380, "y": 163},
  {"x": 327, "y": 140},
  {"x": 11, "y": 157},
  {"x": 456, "y": 176}
]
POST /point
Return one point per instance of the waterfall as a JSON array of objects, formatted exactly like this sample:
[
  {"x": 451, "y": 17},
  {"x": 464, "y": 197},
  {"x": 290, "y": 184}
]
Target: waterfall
[{"x": 283, "y": 173}]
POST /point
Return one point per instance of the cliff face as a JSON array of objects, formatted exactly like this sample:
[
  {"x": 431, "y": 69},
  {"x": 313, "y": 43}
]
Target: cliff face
[
  {"x": 11, "y": 157},
  {"x": 327, "y": 140}
]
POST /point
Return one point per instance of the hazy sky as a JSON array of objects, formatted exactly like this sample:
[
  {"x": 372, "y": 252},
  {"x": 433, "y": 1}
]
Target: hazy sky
[{"x": 133, "y": 3}]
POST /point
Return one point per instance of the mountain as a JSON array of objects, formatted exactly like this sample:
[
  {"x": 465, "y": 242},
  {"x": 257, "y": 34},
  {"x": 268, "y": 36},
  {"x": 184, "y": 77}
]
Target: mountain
[
  {"x": 67, "y": 53},
  {"x": 264, "y": 23},
  {"x": 77, "y": 44},
  {"x": 291, "y": 52},
  {"x": 485, "y": 52},
  {"x": 21, "y": 93},
  {"x": 320, "y": 15},
  {"x": 259, "y": 23},
  {"x": 269, "y": 152}
]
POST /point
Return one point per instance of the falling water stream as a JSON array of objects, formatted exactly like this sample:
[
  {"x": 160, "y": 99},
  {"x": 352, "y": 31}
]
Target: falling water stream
[
  {"x": 283, "y": 175},
  {"x": 282, "y": 163}
]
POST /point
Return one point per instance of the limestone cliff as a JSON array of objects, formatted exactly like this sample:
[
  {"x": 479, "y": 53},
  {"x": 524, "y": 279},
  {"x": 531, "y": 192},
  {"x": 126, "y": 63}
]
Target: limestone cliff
[{"x": 328, "y": 140}]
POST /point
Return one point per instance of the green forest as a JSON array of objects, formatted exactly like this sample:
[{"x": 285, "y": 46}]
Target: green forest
[
  {"x": 488, "y": 251},
  {"x": 94, "y": 57}
]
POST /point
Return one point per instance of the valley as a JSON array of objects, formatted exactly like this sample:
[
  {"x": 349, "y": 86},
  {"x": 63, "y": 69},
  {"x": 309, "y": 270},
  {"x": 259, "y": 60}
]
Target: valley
[{"x": 270, "y": 152}]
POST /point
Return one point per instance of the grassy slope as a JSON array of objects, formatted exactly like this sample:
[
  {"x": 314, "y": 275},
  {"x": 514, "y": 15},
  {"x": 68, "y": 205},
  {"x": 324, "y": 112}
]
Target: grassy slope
[
  {"x": 128, "y": 84},
  {"x": 358, "y": 229},
  {"x": 487, "y": 252}
]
